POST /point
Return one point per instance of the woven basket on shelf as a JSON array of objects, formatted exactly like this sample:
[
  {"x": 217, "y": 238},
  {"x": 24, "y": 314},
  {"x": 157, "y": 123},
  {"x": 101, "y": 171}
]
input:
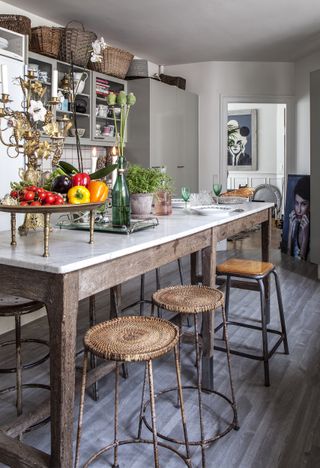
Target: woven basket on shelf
[
  {"x": 76, "y": 44},
  {"x": 17, "y": 23},
  {"x": 115, "y": 62},
  {"x": 46, "y": 40}
]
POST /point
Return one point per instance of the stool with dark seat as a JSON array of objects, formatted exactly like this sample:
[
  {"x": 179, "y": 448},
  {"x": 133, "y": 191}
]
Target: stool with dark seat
[
  {"x": 194, "y": 301},
  {"x": 12, "y": 306},
  {"x": 132, "y": 339},
  {"x": 258, "y": 272}
]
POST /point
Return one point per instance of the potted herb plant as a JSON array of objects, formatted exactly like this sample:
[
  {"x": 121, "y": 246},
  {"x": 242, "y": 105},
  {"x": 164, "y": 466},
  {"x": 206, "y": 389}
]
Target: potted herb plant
[{"x": 143, "y": 183}]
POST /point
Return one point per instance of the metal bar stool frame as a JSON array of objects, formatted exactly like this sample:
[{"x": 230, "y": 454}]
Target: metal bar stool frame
[
  {"x": 234, "y": 424},
  {"x": 117, "y": 443},
  {"x": 16, "y": 307},
  {"x": 266, "y": 354}
]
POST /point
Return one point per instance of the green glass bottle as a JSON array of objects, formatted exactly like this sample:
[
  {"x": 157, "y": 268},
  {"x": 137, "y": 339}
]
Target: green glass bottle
[{"x": 120, "y": 198}]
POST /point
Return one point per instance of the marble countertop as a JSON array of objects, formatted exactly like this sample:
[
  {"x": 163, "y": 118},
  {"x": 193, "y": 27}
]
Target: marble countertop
[{"x": 70, "y": 250}]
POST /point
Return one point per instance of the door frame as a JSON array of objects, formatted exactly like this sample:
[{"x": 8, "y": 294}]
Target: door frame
[{"x": 263, "y": 99}]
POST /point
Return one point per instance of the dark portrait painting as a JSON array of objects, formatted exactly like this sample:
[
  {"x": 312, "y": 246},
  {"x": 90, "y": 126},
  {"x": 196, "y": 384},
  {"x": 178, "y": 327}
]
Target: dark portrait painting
[
  {"x": 242, "y": 140},
  {"x": 296, "y": 226}
]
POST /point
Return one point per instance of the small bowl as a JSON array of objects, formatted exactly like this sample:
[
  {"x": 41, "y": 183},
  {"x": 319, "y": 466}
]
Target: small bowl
[{"x": 81, "y": 132}]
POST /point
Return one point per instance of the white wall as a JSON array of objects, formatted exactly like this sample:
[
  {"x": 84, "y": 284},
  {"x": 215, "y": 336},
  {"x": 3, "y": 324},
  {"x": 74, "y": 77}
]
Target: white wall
[
  {"x": 303, "y": 68},
  {"x": 213, "y": 80},
  {"x": 35, "y": 20}
]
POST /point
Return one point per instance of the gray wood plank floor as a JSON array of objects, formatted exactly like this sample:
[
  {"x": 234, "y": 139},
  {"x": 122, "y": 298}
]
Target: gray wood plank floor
[{"x": 279, "y": 424}]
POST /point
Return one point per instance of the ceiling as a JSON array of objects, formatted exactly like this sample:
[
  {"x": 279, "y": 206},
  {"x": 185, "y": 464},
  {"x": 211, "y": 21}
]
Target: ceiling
[{"x": 185, "y": 31}]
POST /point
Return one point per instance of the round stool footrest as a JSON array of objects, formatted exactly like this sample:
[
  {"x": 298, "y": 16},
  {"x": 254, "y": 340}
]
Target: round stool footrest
[
  {"x": 29, "y": 365},
  {"x": 136, "y": 441},
  {"x": 208, "y": 441},
  {"x": 29, "y": 385}
]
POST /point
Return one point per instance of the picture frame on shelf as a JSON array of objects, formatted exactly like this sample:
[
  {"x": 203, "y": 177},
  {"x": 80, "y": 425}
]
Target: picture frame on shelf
[{"x": 242, "y": 140}]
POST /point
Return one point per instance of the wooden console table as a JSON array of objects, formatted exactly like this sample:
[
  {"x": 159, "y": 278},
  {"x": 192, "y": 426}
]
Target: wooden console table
[{"x": 76, "y": 270}]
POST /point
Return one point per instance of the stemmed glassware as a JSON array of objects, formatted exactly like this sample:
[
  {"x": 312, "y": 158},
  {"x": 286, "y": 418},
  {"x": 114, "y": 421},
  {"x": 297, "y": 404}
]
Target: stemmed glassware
[
  {"x": 217, "y": 189},
  {"x": 185, "y": 193}
]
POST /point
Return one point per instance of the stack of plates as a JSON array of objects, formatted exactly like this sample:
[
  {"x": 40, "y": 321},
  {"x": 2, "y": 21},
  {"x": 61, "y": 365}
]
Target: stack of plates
[
  {"x": 3, "y": 43},
  {"x": 216, "y": 210}
]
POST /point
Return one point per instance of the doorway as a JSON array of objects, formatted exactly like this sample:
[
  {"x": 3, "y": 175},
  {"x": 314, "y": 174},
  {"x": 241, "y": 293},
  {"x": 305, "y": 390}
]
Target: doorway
[{"x": 261, "y": 144}]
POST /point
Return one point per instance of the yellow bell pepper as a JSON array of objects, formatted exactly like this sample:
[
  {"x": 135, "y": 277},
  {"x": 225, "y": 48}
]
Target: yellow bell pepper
[
  {"x": 98, "y": 191},
  {"x": 78, "y": 195}
]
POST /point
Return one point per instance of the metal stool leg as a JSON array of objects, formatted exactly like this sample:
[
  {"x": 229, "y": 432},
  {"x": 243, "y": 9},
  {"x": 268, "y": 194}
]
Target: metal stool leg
[
  {"x": 225, "y": 333},
  {"x": 18, "y": 365},
  {"x": 142, "y": 281},
  {"x": 196, "y": 341},
  {"x": 153, "y": 415},
  {"x": 180, "y": 271},
  {"x": 158, "y": 286},
  {"x": 281, "y": 313},
  {"x": 142, "y": 402},
  {"x": 181, "y": 403},
  {"x": 93, "y": 358},
  {"x": 116, "y": 411},
  {"x": 264, "y": 334},
  {"x": 82, "y": 395}
]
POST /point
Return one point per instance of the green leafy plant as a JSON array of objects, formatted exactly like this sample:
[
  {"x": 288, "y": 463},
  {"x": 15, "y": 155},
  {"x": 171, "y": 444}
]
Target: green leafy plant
[{"x": 147, "y": 180}]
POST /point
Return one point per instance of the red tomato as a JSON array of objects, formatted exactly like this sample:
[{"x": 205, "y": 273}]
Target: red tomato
[
  {"x": 40, "y": 190},
  {"x": 14, "y": 194},
  {"x": 29, "y": 195},
  {"x": 35, "y": 203},
  {"x": 59, "y": 201},
  {"x": 42, "y": 196},
  {"x": 32, "y": 188},
  {"x": 23, "y": 203},
  {"x": 50, "y": 198}
]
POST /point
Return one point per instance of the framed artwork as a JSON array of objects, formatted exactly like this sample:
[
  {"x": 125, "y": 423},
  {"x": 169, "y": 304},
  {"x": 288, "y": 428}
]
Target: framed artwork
[
  {"x": 242, "y": 140},
  {"x": 296, "y": 224}
]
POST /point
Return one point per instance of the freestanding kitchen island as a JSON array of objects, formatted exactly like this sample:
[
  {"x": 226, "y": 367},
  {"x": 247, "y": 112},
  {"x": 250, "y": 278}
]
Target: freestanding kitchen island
[{"x": 76, "y": 270}]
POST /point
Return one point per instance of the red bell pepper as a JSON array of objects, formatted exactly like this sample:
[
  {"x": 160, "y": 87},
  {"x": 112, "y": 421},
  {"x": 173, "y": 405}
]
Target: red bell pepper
[{"x": 81, "y": 178}]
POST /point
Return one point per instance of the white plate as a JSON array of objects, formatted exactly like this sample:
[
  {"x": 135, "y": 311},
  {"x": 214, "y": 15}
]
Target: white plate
[
  {"x": 215, "y": 210},
  {"x": 178, "y": 203}
]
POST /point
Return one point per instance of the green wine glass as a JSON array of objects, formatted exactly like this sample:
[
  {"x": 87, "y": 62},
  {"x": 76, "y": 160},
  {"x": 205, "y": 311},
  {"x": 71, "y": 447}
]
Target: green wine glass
[
  {"x": 185, "y": 193},
  {"x": 217, "y": 189}
]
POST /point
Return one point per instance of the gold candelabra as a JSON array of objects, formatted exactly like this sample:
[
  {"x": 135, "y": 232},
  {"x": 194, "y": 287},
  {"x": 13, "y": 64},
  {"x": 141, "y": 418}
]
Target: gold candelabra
[{"x": 35, "y": 131}]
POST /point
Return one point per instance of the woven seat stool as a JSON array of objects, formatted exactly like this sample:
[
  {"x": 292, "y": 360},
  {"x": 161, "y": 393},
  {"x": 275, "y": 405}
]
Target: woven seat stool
[
  {"x": 133, "y": 339},
  {"x": 258, "y": 272},
  {"x": 194, "y": 301},
  {"x": 12, "y": 306}
]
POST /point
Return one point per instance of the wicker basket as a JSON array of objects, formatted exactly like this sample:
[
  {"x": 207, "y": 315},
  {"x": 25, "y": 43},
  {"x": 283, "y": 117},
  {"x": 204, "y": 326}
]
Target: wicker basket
[
  {"x": 17, "y": 23},
  {"x": 115, "y": 62},
  {"x": 46, "y": 40},
  {"x": 76, "y": 45}
]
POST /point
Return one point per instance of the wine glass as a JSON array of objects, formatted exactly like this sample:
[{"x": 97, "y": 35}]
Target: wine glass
[
  {"x": 217, "y": 189},
  {"x": 185, "y": 193}
]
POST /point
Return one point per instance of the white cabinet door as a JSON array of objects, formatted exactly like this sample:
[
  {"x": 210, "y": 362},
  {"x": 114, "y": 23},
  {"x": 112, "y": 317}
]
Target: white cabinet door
[{"x": 9, "y": 167}]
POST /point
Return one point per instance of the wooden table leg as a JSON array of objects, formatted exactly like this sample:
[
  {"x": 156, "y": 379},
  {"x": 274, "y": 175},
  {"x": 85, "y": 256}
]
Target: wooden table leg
[
  {"x": 62, "y": 309},
  {"x": 115, "y": 301},
  {"x": 265, "y": 256},
  {"x": 193, "y": 269},
  {"x": 209, "y": 261}
]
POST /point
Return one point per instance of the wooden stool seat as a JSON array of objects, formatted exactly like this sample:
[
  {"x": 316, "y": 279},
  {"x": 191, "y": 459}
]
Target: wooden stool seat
[
  {"x": 191, "y": 299},
  {"x": 134, "y": 338},
  {"x": 245, "y": 268}
]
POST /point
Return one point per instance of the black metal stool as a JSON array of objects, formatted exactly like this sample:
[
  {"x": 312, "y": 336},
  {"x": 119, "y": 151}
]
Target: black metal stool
[
  {"x": 132, "y": 339},
  {"x": 12, "y": 306},
  {"x": 195, "y": 300},
  {"x": 257, "y": 271}
]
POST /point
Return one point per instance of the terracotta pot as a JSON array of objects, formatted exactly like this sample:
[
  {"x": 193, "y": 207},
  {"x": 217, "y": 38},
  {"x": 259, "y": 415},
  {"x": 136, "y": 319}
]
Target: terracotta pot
[{"x": 141, "y": 203}]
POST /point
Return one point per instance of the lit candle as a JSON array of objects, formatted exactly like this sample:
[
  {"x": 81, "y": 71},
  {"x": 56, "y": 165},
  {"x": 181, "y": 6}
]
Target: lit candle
[
  {"x": 54, "y": 84},
  {"x": 114, "y": 160},
  {"x": 94, "y": 160},
  {"x": 4, "y": 79}
]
